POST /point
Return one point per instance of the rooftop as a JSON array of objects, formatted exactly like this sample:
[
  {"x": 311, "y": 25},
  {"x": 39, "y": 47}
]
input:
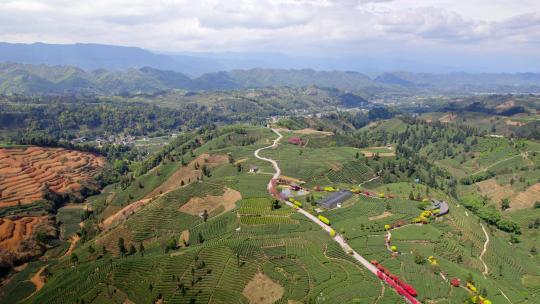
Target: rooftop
[
  {"x": 334, "y": 199},
  {"x": 441, "y": 205}
]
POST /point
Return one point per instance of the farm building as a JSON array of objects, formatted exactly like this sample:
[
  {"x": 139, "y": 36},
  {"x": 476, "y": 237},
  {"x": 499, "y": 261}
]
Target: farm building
[
  {"x": 295, "y": 140},
  {"x": 334, "y": 199},
  {"x": 441, "y": 205}
]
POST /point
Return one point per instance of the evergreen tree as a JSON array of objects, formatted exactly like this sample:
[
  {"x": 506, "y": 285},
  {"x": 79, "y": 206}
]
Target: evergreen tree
[
  {"x": 132, "y": 250},
  {"x": 121, "y": 247},
  {"x": 141, "y": 249}
]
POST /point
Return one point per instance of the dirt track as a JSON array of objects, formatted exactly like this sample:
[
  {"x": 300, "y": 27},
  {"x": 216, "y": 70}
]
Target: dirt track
[
  {"x": 484, "y": 250},
  {"x": 25, "y": 173}
]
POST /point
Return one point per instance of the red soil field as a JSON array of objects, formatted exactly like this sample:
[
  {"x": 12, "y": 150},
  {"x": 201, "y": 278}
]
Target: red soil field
[
  {"x": 26, "y": 172},
  {"x": 13, "y": 231}
]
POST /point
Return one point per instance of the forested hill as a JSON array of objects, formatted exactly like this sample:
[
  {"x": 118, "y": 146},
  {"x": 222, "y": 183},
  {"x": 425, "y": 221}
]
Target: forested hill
[{"x": 29, "y": 79}]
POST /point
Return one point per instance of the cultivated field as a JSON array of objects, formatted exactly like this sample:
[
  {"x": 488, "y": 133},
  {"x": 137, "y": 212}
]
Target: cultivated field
[
  {"x": 26, "y": 172},
  {"x": 14, "y": 231}
]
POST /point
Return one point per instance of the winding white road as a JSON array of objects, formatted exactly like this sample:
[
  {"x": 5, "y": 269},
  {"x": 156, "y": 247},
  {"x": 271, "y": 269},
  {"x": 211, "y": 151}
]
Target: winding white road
[
  {"x": 486, "y": 269},
  {"x": 273, "y": 162},
  {"x": 338, "y": 238}
]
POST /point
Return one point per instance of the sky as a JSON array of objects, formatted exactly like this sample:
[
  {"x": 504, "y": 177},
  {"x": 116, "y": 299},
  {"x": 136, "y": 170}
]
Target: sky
[{"x": 446, "y": 30}]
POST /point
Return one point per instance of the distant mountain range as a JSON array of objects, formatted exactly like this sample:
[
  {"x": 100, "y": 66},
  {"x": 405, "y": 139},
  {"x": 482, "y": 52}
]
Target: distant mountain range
[
  {"x": 98, "y": 56},
  {"x": 110, "y": 57},
  {"x": 30, "y": 79}
]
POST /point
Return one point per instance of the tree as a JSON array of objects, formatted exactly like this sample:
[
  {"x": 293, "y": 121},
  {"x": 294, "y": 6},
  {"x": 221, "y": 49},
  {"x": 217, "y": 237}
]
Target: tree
[
  {"x": 357, "y": 156},
  {"x": 182, "y": 289},
  {"x": 91, "y": 249},
  {"x": 534, "y": 251},
  {"x": 275, "y": 205},
  {"x": 206, "y": 171},
  {"x": 536, "y": 205},
  {"x": 200, "y": 238},
  {"x": 239, "y": 167},
  {"x": 514, "y": 239},
  {"x": 505, "y": 203},
  {"x": 205, "y": 215},
  {"x": 74, "y": 258},
  {"x": 171, "y": 244},
  {"x": 141, "y": 249},
  {"x": 121, "y": 247},
  {"x": 419, "y": 259},
  {"x": 132, "y": 250}
]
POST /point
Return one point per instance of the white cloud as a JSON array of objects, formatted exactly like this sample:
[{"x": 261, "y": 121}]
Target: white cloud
[{"x": 293, "y": 26}]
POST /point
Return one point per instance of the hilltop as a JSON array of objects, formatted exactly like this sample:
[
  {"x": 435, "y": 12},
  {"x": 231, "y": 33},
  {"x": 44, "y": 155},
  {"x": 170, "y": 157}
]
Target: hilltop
[{"x": 28, "y": 79}]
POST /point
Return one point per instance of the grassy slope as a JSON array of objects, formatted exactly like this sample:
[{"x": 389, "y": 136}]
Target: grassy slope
[{"x": 291, "y": 250}]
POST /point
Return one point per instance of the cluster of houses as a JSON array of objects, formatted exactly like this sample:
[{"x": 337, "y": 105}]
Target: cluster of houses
[
  {"x": 123, "y": 140},
  {"x": 112, "y": 139}
]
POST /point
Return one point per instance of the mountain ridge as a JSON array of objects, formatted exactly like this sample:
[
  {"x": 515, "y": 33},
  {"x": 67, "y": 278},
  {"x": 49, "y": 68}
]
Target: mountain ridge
[{"x": 28, "y": 79}]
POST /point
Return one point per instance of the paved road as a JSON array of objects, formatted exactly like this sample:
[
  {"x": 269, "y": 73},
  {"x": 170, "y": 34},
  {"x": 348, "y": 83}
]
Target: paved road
[{"x": 338, "y": 238}]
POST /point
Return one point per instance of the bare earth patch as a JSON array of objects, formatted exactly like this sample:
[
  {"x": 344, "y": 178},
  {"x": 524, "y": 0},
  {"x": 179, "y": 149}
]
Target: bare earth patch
[
  {"x": 73, "y": 242},
  {"x": 262, "y": 290},
  {"x": 14, "y": 231},
  {"x": 188, "y": 173},
  {"x": 514, "y": 123},
  {"x": 448, "y": 118},
  {"x": 380, "y": 216},
  {"x": 309, "y": 131},
  {"x": 368, "y": 153},
  {"x": 123, "y": 214},
  {"x": 184, "y": 237},
  {"x": 38, "y": 280},
  {"x": 17, "y": 237},
  {"x": 197, "y": 205},
  {"x": 26, "y": 172},
  {"x": 495, "y": 191},
  {"x": 506, "y": 105},
  {"x": 519, "y": 200},
  {"x": 527, "y": 198}
]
